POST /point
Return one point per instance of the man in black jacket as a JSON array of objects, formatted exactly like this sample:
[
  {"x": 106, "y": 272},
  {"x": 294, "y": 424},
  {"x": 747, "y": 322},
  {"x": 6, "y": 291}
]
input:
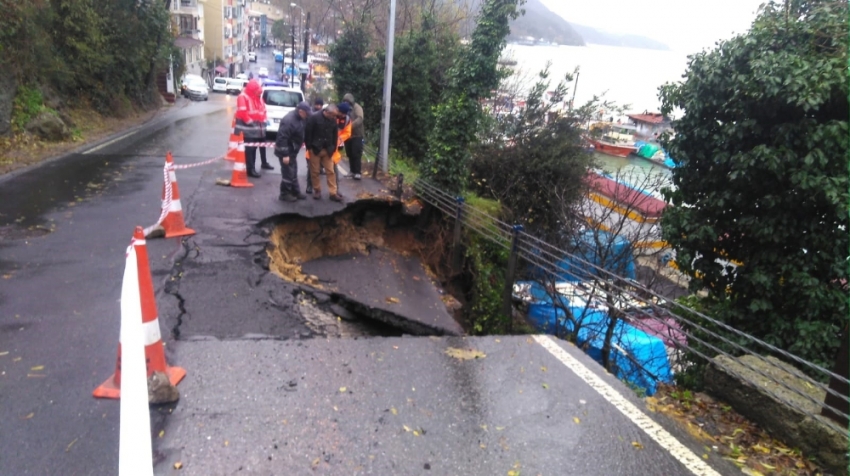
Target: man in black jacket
[
  {"x": 290, "y": 136},
  {"x": 320, "y": 137}
]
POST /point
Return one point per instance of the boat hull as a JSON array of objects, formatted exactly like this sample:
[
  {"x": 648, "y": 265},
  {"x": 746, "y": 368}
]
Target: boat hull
[{"x": 613, "y": 149}]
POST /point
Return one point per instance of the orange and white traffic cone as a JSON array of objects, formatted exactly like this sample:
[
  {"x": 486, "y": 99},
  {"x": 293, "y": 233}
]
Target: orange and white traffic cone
[
  {"x": 233, "y": 144},
  {"x": 239, "y": 178},
  {"x": 154, "y": 352},
  {"x": 173, "y": 222}
]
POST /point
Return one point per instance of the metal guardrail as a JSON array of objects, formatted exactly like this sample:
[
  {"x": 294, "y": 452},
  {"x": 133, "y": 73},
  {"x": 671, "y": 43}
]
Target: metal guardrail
[{"x": 701, "y": 331}]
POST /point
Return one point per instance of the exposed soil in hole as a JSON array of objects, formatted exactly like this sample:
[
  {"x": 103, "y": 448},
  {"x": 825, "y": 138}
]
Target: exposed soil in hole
[{"x": 378, "y": 233}]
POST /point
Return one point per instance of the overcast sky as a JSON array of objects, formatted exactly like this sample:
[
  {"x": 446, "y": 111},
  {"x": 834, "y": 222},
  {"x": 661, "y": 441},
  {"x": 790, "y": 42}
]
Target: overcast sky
[{"x": 684, "y": 25}]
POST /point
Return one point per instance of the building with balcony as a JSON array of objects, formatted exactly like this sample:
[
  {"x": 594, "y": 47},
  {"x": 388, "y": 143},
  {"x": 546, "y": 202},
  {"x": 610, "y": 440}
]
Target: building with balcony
[
  {"x": 187, "y": 18},
  {"x": 261, "y": 15},
  {"x": 226, "y": 38}
]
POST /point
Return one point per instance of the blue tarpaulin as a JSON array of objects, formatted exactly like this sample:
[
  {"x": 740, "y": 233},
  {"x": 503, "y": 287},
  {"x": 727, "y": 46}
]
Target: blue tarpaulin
[
  {"x": 605, "y": 250},
  {"x": 638, "y": 358}
]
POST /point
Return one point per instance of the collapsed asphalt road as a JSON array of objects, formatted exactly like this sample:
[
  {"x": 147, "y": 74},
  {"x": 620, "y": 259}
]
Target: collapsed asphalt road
[{"x": 274, "y": 385}]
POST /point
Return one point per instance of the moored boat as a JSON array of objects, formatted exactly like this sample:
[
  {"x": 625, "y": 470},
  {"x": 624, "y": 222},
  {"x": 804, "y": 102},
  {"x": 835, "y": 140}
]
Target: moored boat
[{"x": 612, "y": 148}]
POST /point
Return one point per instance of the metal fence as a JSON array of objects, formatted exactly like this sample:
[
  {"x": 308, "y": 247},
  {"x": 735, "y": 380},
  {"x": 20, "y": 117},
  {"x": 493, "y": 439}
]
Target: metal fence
[{"x": 703, "y": 336}]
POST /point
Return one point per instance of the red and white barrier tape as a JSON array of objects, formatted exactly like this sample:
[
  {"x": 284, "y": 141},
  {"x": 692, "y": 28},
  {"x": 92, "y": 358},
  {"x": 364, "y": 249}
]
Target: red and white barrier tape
[
  {"x": 166, "y": 202},
  {"x": 258, "y": 144}
]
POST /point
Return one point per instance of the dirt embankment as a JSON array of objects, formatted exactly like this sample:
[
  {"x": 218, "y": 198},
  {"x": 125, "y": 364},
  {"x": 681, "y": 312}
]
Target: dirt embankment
[{"x": 23, "y": 149}]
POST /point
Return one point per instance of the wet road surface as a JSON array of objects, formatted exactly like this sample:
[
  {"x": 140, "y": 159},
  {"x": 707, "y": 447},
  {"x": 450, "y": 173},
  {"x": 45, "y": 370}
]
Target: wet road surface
[{"x": 264, "y": 390}]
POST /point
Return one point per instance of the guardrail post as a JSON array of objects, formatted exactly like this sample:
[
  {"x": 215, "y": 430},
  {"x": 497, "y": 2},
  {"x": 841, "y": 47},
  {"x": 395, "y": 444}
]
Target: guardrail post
[
  {"x": 400, "y": 186},
  {"x": 507, "y": 292},
  {"x": 377, "y": 162},
  {"x": 834, "y": 407},
  {"x": 457, "y": 260}
]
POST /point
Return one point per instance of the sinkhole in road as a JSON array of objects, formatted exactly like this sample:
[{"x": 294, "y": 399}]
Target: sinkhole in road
[{"x": 379, "y": 260}]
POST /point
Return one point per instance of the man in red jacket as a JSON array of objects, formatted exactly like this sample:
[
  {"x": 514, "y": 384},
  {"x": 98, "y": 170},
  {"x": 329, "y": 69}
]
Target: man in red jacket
[{"x": 251, "y": 122}]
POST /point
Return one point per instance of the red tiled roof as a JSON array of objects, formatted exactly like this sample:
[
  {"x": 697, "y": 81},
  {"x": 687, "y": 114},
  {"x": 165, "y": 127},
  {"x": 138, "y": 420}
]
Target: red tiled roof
[{"x": 652, "y": 117}]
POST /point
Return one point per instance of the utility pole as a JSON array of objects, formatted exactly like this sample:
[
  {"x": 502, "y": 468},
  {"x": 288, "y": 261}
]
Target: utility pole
[
  {"x": 306, "y": 51},
  {"x": 388, "y": 88}
]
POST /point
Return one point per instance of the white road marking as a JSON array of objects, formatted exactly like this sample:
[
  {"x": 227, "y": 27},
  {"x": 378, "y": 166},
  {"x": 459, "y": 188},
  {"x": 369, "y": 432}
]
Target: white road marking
[
  {"x": 652, "y": 429},
  {"x": 108, "y": 143}
]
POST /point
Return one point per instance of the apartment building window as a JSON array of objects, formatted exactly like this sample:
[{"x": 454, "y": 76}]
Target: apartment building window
[
  {"x": 239, "y": 46},
  {"x": 228, "y": 12},
  {"x": 228, "y": 51},
  {"x": 228, "y": 31}
]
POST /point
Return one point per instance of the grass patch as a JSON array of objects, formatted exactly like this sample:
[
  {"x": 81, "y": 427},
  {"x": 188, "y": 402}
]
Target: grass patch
[{"x": 403, "y": 165}]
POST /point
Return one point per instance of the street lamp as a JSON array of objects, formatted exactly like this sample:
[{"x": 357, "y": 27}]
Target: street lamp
[
  {"x": 301, "y": 22},
  {"x": 300, "y": 31}
]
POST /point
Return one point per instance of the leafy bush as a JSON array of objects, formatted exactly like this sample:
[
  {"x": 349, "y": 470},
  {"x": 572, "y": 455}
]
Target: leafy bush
[
  {"x": 533, "y": 163},
  {"x": 28, "y": 103},
  {"x": 762, "y": 148}
]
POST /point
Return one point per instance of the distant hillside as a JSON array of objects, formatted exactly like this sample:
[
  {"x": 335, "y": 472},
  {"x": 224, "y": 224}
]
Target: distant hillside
[
  {"x": 599, "y": 37},
  {"x": 541, "y": 23}
]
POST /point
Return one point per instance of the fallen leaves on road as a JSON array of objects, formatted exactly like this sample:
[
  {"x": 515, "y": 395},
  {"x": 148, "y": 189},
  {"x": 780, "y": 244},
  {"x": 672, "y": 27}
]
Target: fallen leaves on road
[
  {"x": 342, "y": 389},
  {"x": 37, "y": 368},
  {"x": 730, "y": 434},
  {"x": 465, "y": 354},
  {"x": 577, "y": 420},
  {"x": 393, "y": 300},
  {"x": 28, "y": 416},
  {"x": 545, "y": 386},
  {"x": 637, "y": 445},
  {"x": 178, "y": 465},
  {"x": 68, "y": 448}
]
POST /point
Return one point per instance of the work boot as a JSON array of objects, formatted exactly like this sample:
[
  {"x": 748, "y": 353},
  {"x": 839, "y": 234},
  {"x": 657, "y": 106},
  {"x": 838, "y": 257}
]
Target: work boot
[
  {"x": 309, "y": 188},
  {"x": 267, "y": 166},
  {"x": 336, "y": 197},
  {"x": 253, "y": 173},
  {"x": 317, "y": 194},
  {"x": 287, "y": 197},
  {"x": 301, "y": 196}
]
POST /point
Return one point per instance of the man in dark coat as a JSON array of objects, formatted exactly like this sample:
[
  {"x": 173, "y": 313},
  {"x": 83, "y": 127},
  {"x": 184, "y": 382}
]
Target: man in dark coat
[
  {"x": 321, "y": 136},
  {"x": 290, "y": 136}
]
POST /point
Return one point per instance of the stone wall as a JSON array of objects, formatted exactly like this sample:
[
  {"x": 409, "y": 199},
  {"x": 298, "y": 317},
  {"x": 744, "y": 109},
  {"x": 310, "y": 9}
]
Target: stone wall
[{"x": 768, "y": 404}]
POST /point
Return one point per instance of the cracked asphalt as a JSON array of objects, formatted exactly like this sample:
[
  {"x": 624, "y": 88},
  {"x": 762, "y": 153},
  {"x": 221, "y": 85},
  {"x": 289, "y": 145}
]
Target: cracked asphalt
[{"x": 279, "y": 380}]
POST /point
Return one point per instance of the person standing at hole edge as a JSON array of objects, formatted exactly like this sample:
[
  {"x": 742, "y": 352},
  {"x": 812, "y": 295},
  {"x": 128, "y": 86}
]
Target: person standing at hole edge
[
  {"x": 343, "y": 124},
  {"x": 321, "y": 138},
  {"x": 251, "y": 122},
  {"x": 290, "y": 136},
  {"x": 354, "y": 145}
]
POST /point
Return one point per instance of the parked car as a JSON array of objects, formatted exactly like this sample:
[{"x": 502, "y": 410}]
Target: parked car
[
  {"x": 252, "y": 56},
  {"x": 235, "y": 85},
  {"x": 195, "y": 88},
  {"x": 263, "y": 72},
  {"x": 242, "y": 76},
  {"x": 279, "y": 101},
  {"x": 184, "y": 83},
  {"x": 219, "y": 85},
  {"x": 278, "y": 57}
]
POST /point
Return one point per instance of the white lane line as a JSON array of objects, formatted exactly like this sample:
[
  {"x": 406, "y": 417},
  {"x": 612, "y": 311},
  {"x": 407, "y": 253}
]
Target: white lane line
[
  {"x": 685, "y": 456},
  {"x": 108, "y": 143},
  {"x": 342, "y": 169}
]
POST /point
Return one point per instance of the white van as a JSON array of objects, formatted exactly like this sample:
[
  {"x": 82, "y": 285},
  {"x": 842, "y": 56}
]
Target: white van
[
  {"x": 235, "y": 86},
  {"x": 219, "y": 85},
  {"x": 279, "y": 101}
]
